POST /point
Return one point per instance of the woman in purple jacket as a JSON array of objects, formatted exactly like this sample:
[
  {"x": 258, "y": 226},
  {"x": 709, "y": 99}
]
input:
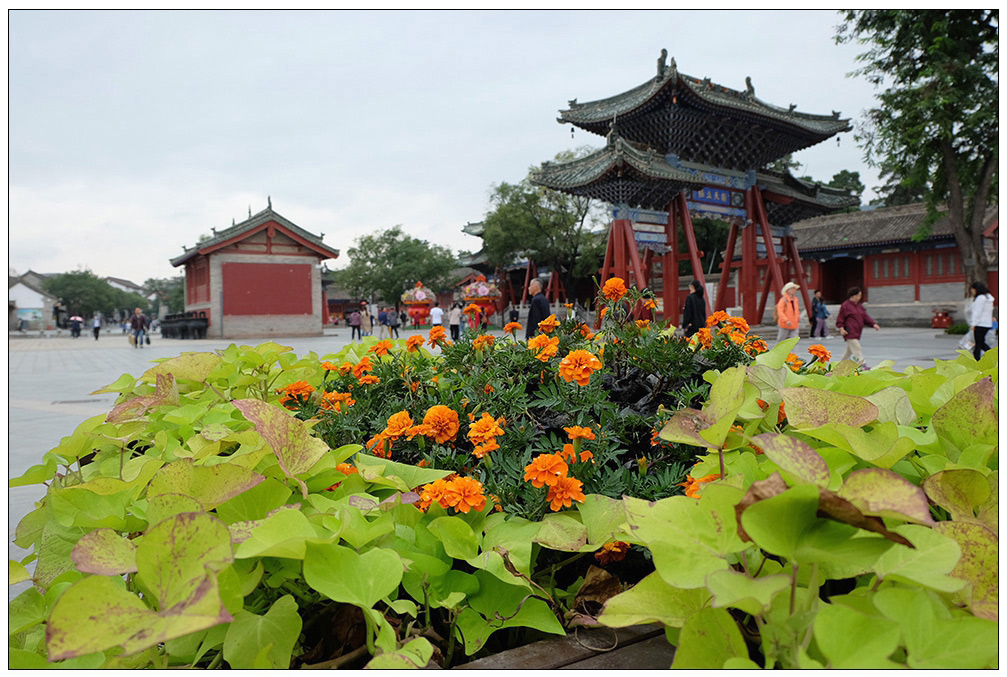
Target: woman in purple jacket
[{"x": 851, "y": 321}]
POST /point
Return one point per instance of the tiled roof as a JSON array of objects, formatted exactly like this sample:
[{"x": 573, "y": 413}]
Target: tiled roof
[
  {"x": 702, "y": 121},
  {"x": 251, "y": 223},
  {"x": 884, "y": 225}
]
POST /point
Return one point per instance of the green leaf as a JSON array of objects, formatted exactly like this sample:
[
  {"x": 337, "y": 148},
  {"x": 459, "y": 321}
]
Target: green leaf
[
  {"x": 121, "y": 384},
  {"x": 25, "y": 610},
  {"x": 279, "y": 628},
  {"x": 413, "y": 655},
  {"x": 811, "y": 408},
  {"x": 851, "y": 640},
  {"x": 928, "y": 564},
  {"x": 964, "y": 643},
  {"x": 16, "y": 572},
  {"x": 776, "y": 357},
  {"x": 969, "y": 417},
  {"x": 752, "y": 595},
  {"x": 604, "y": 518},
  {"x": 881, "y": 446},
  {"x": 105, "y": 552},
  {"x": 174, "y": 556},
  {"x": 282, "y": 534},
  {"x": 653, "y": 601},
  {"x": 411, "y": 476},
  {"x": 685, "y": 426},
  {"x": 166, "y": 393},
  {"x": 893, "y": 405},
  {"x": 458, "y": 538},
  {"x": 563, "y": 532},
  {"x": 255, "y": 503},
  {"x": 727, "y": 394},
  {"x": 296, "y": 449},
  {"x": 979, "y": 565},
  {"x": 959, "y": 491},
  {"x": 97, "y": 613},
  {"x": 884, "y": 493},
  {"x": 334, "y": 571},
  {"x": 187, "y": 366},
  {"x": 794, "y": 457},
  {"x": 708, "y": 638},
  {"x": 210, "y": 485},
  {"x": 163, "y": 506},
  {"x": 54, "y": 547},
  {"x": 776, "y": 524}
]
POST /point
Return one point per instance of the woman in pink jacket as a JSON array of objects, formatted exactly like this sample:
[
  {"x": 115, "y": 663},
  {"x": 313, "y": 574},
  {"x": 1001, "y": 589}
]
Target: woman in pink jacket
[{"x": 851, "y": 321}]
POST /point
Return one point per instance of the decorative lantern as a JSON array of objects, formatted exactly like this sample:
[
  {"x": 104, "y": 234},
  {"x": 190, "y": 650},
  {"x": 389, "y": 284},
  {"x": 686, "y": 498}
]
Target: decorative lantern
[
  {"x": 483, "y": 294},
  {"x": 418, "y": 300}
]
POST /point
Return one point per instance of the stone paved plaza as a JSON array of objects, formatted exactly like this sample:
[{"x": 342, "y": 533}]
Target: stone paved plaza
[{"x": 50, "y": 380}]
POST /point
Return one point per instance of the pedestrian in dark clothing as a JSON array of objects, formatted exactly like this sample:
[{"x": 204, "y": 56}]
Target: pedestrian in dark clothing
[
  {"x": 851, "y": 321},
  {"x": 694, "y": 315},
  {"x": 539, "y": 309},
  {"x": 393, "y": 323},
  {"x": 821, "y": 314},
  {"x": 514, "y": 314},
  {"x": 138, "y": 325},
  {"x": 355, "y": 324},
  {"x": 95, "y": 326}
]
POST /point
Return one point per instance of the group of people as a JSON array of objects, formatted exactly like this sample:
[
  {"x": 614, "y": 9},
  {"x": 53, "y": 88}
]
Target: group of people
[{"x": 388, "y": 320}]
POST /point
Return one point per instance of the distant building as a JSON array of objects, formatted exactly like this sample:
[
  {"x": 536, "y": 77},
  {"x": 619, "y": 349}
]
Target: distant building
[
  {"x": 125, "y": 285},
  {"x": 28, "y": 302},
  {"x": 258, "y": 278}
]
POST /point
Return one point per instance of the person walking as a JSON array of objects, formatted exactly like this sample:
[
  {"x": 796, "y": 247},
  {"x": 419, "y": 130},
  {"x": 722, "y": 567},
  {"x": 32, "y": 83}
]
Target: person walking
[
  {"x": 393, "y": 323},
  {"x": 981, "y": 317},
  {"x": 821, "y": 314},
  {"x": 455, "y": 321},
  {"x": 355, "y": 324},
  {"x": 383, "y": 323},
  {"x": 694, "y": 315},
  {"x": 538, "y": 310},
  {"x": 437, "y": 315},
  {"x": 95, "y": 326},
  {"x": 365, "y": 320},
  {"x": 851, "y": 321},
  {"x": 787, "y": 312},
  {"x": 138, "y": 325}
]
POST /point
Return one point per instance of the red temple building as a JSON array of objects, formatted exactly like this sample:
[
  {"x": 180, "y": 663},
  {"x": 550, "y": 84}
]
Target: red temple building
[
  {"x": 679, "y": 146},
  {"x": 258, "y": 278}
]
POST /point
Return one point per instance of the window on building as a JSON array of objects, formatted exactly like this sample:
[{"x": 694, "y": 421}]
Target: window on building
[
  {"x": 895, "y": 267},
  {"x": 884, "y": 269},
  {"x": 877, "y": 276},
  {"x": 951, "y": 264},
  {"x": 906, "y": 261},
  {"x": 929, "y": 265},
  {"x": 940, "y": 265}
]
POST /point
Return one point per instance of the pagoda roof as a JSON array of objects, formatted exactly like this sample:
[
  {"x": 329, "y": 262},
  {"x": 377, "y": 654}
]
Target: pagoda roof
[
  {"x": 252, "y": 225},
  {"x": 701, "y": 121},
  {"x": 625, "y": 173}
]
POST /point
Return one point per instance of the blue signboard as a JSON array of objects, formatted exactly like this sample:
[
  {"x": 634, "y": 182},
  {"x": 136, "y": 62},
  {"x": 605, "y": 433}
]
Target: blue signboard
[{"x": 716, "y": 196}]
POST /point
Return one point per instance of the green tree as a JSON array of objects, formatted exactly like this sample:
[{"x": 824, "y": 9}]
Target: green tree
[
  {"x": 894, "y": 192},
  {"x": 936, "y": 125},
  {"x": 849, "y": 181},
  {"x": 551, "y": 228},
  {"x": 388, "y": 262},
  {"x": 168, "y": 290},
  {"x": 82, "y": 292}
]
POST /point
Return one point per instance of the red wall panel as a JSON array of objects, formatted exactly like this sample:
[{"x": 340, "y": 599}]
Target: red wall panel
[{"x": 267, "y": 289}]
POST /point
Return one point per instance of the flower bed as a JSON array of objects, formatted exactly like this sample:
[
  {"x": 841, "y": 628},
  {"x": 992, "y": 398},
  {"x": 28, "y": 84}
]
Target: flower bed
[{"x": 387, "y": 507}]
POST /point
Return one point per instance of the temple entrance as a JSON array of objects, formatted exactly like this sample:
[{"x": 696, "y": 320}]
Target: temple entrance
[{"x": 838, "y": 275}]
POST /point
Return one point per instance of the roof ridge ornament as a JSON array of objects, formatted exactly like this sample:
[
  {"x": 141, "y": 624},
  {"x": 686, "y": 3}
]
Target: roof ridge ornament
[
  {"x": 749, "y": 87},
  {"x": 613, "y": 132},
  {"x": 662, "y": 65},
  {"x": 269, "y": 202}
]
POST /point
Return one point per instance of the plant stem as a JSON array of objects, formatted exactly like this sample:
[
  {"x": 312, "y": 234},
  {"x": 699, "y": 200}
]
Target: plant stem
[
  {"x": 793, "y": 587},
  {"x": 721, "y": 452},
  {"x": 451, "y": 640},
  {"x": 216, "y": 660}
]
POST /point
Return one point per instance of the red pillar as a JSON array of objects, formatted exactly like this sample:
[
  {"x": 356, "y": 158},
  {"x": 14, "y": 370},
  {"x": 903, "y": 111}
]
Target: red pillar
[
  {"x": 748, "y": 279},
  {"x": 690, "y": 239},
  {"x": 725, "y": 269}
]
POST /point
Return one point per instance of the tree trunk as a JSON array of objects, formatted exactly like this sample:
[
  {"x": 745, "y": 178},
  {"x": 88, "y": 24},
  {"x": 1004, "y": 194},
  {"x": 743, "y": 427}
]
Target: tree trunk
[{"x": 968, "y": 232}]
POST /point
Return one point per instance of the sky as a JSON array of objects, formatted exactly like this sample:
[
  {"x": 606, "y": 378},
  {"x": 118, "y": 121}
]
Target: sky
[{"x": 133, "y": 133}]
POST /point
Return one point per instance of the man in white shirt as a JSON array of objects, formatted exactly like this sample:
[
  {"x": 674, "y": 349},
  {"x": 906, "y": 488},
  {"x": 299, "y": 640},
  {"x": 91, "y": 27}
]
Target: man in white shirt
[{"x": 436, "y": 315}]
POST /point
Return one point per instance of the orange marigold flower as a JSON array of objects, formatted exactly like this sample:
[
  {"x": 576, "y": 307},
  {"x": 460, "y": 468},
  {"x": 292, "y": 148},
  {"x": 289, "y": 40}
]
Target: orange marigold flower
[
  {"x": 820, "y": 352},
  {"x": 692, "y": 485},
  {"x": 482, "y": 341},
  {"x": 512, "y": 327},
  {"x": 564, "y": 492},
  {"x": 738, "y": 323},
  {"x": 601, "y": 313},
  {"x": 464, "y": 494},
  {"x": 420, "y": 429},
  {"x": 437, "y": 335},
  {"x": 613, "y": 551},
  {"x": 345, "y": 368},
  {"x": 781, "y": 415},
  {"x": 737, "y": 338},
  {"x": 586, "y": 456},
  {"x": 398, "y": 425},
  {"x": 295, "y": 390},
  {"x": 485, "y": 429},
  {"x": 380, "y": 348},
  {"x": 577, "y": 432},
  {"x": 548, "y": 324},
  {"x": 432, "y": 493},
  {"x": 379, "y": 445},
  {"x": 368, "y": 380},
  {"x": 423, "y": 463},
  {"x": 546, "y": 347},
  {"x": 347, "y": 469},
  {"x": 545, "y": 469},
  {"x": 413, "y": 343},
  {"x": 334, "y": 401},
  {"x": 756, "y": 347},
  {"x": 716, "y": 318},
  {"x": 471, "y": 309},
  {"x": 481, "y": 450},
  {"x": 568, "y": 454},
  {"x": 364, "y": 365},
  {"x": 496, "y": 502},
  {"x": 643, "y": 324},
  {"x": 578, "y": 366},
  {"x": 487, "y": 389},
  {"x": 794, "y": 361},
  {"x": 614, "y": 288},
  {"x": 650, "y": 304},
  {"x": 328, "y": 366},
  {"x": 442, "y": 422},
  {"x": 704, "y": 338}
]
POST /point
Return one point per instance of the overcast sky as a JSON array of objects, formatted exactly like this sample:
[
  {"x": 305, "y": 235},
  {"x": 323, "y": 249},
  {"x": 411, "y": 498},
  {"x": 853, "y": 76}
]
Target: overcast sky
[{"x": 133, "y": 133}]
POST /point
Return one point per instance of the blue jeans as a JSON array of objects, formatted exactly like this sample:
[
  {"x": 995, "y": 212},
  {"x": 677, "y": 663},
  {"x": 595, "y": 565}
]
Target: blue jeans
[{"x": 138, "y": 335}]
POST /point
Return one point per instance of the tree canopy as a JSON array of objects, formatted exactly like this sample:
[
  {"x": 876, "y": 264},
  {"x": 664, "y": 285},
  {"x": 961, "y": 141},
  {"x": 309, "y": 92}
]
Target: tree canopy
[
  {"x": 84, "y": 293},
  {"x": 168, "y": 290},
  {"x": 388, "y": 262},
  {"x": 936, "y": 125},
  {"x": 551, "y": 228}
]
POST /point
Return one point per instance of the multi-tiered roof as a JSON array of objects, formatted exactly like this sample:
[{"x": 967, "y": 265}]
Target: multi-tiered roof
[{"x": 663, "y": 135}]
